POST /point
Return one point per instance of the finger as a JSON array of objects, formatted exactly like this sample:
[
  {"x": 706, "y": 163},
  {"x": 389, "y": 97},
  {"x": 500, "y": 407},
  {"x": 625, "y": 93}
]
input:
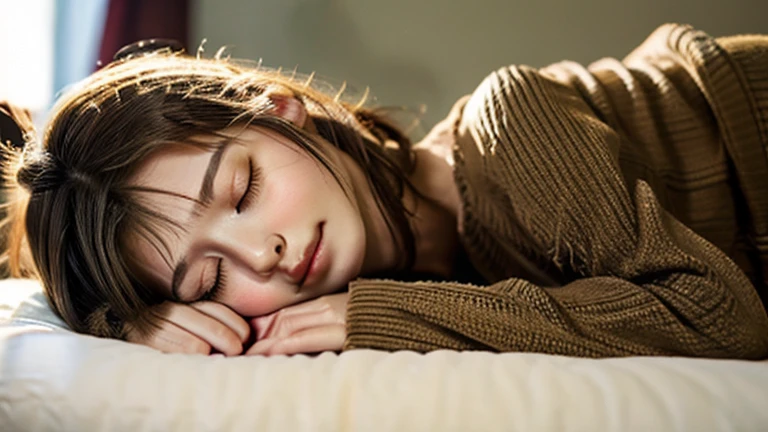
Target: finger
[
  {"x": 170, "y": 338},
  {"x": 312, "y": 340},
  {"x": 227, "y": 317},
  {"x": 303, "y": 307},
  {"x": 261, "y": 347},
  {"x": 294, "y": 318},
  {"x": 209, "y": 329},
  {"x": 279, "y": 326},
  {"x": 316, "y": 339}
]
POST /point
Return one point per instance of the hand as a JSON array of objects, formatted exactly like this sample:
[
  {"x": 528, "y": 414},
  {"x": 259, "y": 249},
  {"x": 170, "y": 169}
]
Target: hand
[
  {"x": 313, "y": 326},
  {"x": 196, "y": 328}
]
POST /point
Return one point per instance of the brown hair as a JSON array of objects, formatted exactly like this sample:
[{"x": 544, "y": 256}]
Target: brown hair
[{"x": 74, "y": 201}]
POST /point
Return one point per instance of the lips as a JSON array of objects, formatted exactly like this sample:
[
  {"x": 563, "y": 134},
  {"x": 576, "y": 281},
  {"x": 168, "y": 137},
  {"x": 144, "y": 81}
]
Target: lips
[{"x": 300, "y": 271}]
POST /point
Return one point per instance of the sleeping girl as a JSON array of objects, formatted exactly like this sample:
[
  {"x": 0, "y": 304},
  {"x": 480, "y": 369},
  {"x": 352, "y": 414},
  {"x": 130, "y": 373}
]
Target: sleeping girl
[{"x": 204, "y": 205}]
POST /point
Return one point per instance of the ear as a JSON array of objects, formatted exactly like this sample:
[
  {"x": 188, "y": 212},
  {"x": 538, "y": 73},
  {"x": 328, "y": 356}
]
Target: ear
[{"x": 289, "y": 108}]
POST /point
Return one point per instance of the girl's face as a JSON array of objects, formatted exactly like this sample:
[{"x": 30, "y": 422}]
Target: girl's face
[{"x": 277, "y": 229}]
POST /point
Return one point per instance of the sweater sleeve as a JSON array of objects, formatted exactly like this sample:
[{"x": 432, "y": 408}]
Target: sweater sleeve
[
  {"x": 665, "y": 302},
  {"x": 540, "y": 172}
]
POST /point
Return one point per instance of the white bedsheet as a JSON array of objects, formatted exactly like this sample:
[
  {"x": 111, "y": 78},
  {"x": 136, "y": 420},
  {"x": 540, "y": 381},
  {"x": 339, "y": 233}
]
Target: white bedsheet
[{"x": 55, "y": 380}]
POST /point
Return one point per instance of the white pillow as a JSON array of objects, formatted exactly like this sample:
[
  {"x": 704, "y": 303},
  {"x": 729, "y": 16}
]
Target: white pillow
[{"x": 55, "y": 380}]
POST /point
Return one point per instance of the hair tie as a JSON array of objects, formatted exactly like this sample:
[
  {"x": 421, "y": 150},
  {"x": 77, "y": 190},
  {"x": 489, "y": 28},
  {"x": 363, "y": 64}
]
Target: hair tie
[{"x": 40, "y": 171}]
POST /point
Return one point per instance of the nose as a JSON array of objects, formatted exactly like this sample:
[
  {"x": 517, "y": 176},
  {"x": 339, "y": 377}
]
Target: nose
[{"x": 265, "y": 257}]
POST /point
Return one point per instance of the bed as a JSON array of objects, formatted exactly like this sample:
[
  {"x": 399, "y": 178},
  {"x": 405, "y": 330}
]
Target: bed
[{"x": 52, "y": 379}]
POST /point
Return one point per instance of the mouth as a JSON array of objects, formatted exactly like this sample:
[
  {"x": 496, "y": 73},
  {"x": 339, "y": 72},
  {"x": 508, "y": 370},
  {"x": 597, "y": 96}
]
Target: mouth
[{"x": 304, "y": 269}]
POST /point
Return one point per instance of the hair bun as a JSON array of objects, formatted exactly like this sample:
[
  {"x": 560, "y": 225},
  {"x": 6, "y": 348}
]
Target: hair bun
[
  {"x": 15, "y": 125},
  {"x": 40, "y": 171}
]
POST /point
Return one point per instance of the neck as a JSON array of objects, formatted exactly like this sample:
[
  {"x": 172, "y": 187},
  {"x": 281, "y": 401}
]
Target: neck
[
  {"x": 434, "y": 230},
  {"x": 435, "y": 209},
  {"x": 433, "y": 227},
  {"x": 432, "y": 215}
]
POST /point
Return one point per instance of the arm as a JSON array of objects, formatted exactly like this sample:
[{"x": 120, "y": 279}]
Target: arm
[
  {"x": 535, "y": 154},
  {"x": 668, "y": 302}
]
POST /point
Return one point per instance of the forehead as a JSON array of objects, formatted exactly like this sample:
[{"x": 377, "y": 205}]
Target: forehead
[{"x": 177, "y": 169}]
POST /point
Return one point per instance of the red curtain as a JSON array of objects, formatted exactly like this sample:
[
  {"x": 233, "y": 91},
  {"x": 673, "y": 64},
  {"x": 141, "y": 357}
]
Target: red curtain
[{"x": 129, "y": 21}]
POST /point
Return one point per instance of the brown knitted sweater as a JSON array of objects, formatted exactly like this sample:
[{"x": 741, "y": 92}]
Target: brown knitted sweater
[{"x": 640, "y": 187}]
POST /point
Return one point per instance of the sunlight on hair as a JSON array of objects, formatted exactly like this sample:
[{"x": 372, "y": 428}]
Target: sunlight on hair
[{"x": 201, "y": 49}]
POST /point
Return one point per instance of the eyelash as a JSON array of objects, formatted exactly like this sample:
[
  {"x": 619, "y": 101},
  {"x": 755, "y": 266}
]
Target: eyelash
[
  {"x": 252, "y": 190},
  {"x": 218, "y": 284}
]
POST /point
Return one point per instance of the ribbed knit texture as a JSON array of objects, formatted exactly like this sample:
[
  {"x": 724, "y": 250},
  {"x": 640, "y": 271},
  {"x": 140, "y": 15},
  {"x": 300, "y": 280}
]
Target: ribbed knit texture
[{"x": 631, "y": 183}]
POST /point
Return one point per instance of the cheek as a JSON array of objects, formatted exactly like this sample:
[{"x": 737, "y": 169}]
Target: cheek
[
  {"x": 256, "y": 301},
  {"x": 283, "y": 205},
  {"x": 286, "y": 204},
  {"x": 296, "y": 190}
]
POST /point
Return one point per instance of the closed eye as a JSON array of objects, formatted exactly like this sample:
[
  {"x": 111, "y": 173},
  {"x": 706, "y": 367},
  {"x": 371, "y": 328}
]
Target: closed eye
[
  {"x": 252, "y": 190},
  {"x": 218, "y": 284}
]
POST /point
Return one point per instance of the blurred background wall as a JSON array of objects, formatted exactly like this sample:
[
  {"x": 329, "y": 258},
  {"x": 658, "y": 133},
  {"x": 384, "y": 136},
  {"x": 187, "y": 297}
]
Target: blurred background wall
[
  {"x": 46, "y": 45},
  {"x": 431, "y": 52},
  {"x": 410, "y": 53}
]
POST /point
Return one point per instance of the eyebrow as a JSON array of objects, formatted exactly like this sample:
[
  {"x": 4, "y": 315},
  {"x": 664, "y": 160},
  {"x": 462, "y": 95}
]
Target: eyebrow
[{"x": 204, "y": 198}]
